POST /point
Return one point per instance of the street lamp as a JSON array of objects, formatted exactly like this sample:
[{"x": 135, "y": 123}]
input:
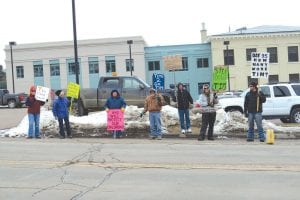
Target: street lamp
[
  {"x": 227, "y": 63},
  {"x": 129, "y": 42},
  {"x": 75, "y": 42},
  {"x": 12, "y": 64}
]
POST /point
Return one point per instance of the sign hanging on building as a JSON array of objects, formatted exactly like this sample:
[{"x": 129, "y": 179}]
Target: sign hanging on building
[
  {"x": 173, "y": 62},
  {"x": 260, "y": 65}
]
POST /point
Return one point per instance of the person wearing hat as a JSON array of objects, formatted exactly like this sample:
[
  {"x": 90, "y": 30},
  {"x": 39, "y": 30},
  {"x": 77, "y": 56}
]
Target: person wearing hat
[
  {"x": 34, "y": 109},
  {"x": 253, "y": 110},
  {"x": 153, "y": 104},
  {"x": 60, "y": 111},
  {"x": 184, "y": 100}
]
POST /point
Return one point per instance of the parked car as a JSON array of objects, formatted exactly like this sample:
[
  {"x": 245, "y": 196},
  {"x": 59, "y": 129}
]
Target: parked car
[
  {"x": 12, "y": 100},
  {"x": 230, "y": 94},
  {"x": 131, "y": 88},
  {"x": 282, "y": 102}
]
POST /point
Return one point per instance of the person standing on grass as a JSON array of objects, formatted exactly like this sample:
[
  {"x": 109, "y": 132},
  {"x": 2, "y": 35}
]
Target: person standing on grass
[
  {"x": 34, "y": 109},
  {"x": 61, "y": 113}
]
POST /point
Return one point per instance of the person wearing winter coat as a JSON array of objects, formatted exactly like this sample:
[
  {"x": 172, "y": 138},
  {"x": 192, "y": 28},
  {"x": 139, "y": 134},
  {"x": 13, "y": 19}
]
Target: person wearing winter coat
[
  {"x": 60, "y": 111},
  {"x": 184, "y": 100},
  {"x": 253, "y": 110},
  {"x": 115, "y": 101},
  {"x": 207, "y": 101},
  {"x": 34, "y": 109},
  {"x": 153, "y": 104}
]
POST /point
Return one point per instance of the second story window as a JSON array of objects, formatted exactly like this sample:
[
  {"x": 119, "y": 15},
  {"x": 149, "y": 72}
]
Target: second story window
[
  {"x": 228, "y": 57},
  {"x": 128, "y": 65},
  {"x": 72, "y": 69},
  {"x": 110, "y": 64},
  {"x": 248, "y": 53},
  {"x": 38, "y": 69},
  {"x": 273, "y": 54},
  {"x": 293, "y": 54},
  {"x": 93, "y": 65},
  {"x": 153, "y": 65},
  {"x": 20, "y": 71},
  {"x": 202, "y": 62},
  {"x": 54, "y": 68}
]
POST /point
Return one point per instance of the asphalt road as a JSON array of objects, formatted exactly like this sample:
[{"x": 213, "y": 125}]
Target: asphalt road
[{"x": 148, "y": 169}]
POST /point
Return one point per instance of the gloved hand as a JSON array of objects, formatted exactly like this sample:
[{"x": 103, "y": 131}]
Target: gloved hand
[
  {"x": 122, "y": 109},
  {"x": 106, "y": 109},
  {"x": 142, "y": 113}
]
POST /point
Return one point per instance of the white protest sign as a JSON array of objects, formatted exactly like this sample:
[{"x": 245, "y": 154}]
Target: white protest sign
[
  {"x": 42, "y": 93},
  {"x": 260, "y": 65}
]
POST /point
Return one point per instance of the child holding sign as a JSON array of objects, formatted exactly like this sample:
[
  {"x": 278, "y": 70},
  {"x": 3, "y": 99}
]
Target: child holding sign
[{"x": 115, "y": 101}]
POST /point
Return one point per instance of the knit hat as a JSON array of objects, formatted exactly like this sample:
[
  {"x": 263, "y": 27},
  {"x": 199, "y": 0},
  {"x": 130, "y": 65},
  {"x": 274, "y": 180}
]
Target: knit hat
[
  {"x": 254, "y": 84},
  {"x": 58, "y": 92}
]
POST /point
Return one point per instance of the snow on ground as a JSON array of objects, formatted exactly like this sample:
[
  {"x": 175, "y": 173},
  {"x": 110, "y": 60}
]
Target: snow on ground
[{"x": 225, "y": 122}]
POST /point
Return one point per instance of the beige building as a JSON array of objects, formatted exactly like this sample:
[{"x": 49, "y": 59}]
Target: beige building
[{"x": 282, "y": 42}]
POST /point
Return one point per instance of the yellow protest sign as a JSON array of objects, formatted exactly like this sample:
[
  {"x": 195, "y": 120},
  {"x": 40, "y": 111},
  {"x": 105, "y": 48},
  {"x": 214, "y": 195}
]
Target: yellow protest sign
[
  {"x": 220, "y": 76},
  {"x": 73, "y": 90}
]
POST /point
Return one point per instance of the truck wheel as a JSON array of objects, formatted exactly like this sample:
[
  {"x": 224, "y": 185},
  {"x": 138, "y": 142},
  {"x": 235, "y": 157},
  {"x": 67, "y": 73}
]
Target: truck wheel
[
  {"x": 285, "y": 120},
  {"x": 295, "y": 115},
  {"x": 11, "y": 103},
  {"x": 81, "y": 111}
]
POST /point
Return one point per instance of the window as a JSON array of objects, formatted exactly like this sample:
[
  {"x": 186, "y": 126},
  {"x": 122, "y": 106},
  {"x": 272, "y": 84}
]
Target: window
[
  {"x": 93, "y": 65},
  {"x": 128, "y": 65},
  {"x": 185, "y": 64},
  {"x": 54, "y": 68},
  {"x": 281, "y": 91},
  {"x": 110, "y": 64},
  {"x": 202, "y": 62},
  {"x": 266, "y": 91},
  {"x": 293, "y": 54},
  {"x": 200, "y": 87},
  {"x": 248, "y": 53},
  {"x": 294, "y": 78},
  {"x": 228, "y": 57},
  {"x": 153, "y": 65},
  {"x": 252, "y": 80},
  {"x": 273, "y": 78},
  {"x": 273, "y": 54},
  {"x": 296, "y": 89},
  {"x": 38, "y": 70},
  {"x": 131, "y": 83},
  {"x": 72, "y": 68},
  {"x": 111, "y": 83},
  {"x": 20, "y": 71}
]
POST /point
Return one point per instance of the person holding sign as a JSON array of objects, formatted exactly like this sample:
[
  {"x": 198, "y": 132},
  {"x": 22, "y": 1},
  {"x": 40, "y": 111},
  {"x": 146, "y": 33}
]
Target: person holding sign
[
  {"x": 61, "y": 113},
  {"x": 253, "y": 110},
  {"x": 34, "y": 109},
  {"x": 115, "y": 101},
  {"x": 207, "y": 101},
  {"x": 153, "y": 104}
]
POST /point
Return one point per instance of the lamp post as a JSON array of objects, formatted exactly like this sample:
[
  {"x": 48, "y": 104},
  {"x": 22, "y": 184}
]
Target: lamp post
[
  {"x": 227, "y": 63},
  {"x": 129, "y": 42},
  {"x": 75, "y": 42},
  {"x": 12, "y": 64}
]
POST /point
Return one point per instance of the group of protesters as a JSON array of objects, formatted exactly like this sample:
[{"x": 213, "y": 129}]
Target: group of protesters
[{"x": 153, "y": 104}]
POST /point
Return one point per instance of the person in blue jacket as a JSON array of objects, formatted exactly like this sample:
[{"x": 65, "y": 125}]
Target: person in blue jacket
[
  {"x": 60, "y": 111},
  {"x": 115, "y": 101}
]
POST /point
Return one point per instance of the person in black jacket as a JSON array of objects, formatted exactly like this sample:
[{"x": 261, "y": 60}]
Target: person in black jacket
[
  {"x": 184, "y": 100},
  {"x": 253, "y": 110}
]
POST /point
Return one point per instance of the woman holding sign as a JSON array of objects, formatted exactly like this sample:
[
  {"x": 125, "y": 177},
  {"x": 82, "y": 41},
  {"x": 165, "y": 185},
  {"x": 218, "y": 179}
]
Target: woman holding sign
[{"x": 115, "y": 101}]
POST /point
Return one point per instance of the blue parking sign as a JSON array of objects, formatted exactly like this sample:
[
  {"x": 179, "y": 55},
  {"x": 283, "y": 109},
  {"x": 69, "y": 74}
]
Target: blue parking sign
[{"x": 158, "y": 81}]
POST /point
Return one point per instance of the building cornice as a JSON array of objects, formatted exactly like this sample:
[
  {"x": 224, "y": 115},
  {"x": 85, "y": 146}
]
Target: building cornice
[{"x": 253, "y": 35}]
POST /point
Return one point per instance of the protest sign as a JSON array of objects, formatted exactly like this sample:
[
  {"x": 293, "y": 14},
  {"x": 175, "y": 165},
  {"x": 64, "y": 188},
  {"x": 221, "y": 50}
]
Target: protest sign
[
  {"x": 220, "y": 77},
  {"x": 260, "y": 65},
  {"x": 158, "y": 81},
  {"x": 42, "y": 93},
  {"x": 73, "y": 90},
  {"x": 173, "y": 62},
  {"x": 115, "y": 120}
]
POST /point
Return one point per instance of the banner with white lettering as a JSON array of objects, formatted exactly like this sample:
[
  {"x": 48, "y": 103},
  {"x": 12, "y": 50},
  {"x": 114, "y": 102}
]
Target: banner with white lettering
[{"x": 260, "y": 65}]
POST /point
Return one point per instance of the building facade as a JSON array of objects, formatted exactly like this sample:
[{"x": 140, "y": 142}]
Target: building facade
[
  {"x": 196, "y": 65},
  {"x": 281, "y": 42},
  {"x": 52, "y": 64}
]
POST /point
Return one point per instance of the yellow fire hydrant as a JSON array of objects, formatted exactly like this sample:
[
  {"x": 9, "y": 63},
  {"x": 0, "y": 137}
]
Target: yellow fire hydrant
[{"x": 270, "y": 137}]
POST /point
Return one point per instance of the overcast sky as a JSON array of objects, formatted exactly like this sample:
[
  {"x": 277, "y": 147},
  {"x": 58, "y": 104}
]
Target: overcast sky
[{"x": 160, "y": 22}]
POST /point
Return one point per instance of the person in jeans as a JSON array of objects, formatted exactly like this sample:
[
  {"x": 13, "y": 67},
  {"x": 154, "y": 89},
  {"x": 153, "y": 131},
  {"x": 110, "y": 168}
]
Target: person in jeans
[
  {"x": 253, "y": 110},
  {"x": 207, "y": 101},
  {"x": 61, "y": 113},
  {"x": 34, "y": 109},
  {"x": 153, "y": 104},
  {"x": 184, "y": 100},
  {"x": 115, "y": 101}
]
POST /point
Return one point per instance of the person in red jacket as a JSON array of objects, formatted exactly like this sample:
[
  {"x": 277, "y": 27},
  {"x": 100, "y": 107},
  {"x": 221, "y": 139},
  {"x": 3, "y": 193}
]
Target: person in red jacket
[{"x": 34, "y": 107}]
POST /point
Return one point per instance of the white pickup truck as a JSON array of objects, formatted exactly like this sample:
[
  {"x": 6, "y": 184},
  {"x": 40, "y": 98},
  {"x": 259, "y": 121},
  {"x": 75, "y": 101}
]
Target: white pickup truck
[{"x": 283, "y": 102}]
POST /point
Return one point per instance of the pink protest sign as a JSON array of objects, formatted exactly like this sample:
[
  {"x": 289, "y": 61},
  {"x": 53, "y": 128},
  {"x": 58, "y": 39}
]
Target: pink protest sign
[{"x": 115, "y": 120}]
